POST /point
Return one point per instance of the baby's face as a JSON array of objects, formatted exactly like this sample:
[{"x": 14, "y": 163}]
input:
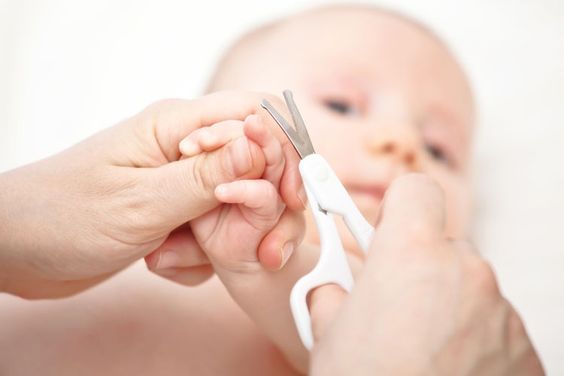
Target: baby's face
[{"x": 380, "y": 98}]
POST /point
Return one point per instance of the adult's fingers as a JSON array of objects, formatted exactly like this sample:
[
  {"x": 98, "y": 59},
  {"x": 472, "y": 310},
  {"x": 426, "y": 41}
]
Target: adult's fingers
[
  {"x": 184, "y": 189},
  {"x": 180, "y": 259},
  {"x": 41, "y": 288},
  {"x": 153, "y": 136},
  {"x": 278, "y": 245},
  {"x": 180, "y": 249},
  {"x": 413, "y": 210},
  {"x": 189, "y": 276},
  {"x": 172, "y": 120},
  {"x": 324, "y": 303}
]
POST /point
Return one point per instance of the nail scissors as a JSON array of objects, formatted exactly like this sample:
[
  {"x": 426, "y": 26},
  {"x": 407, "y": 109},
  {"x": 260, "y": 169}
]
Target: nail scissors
[{"x": 326, "y": 195}]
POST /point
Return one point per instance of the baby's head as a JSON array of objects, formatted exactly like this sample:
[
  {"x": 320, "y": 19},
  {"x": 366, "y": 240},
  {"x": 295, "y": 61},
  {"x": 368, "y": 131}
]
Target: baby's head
[{"x": 380, "y": 94}]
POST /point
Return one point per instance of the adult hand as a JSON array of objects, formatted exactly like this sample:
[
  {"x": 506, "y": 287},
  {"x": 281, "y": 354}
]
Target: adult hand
[
  {"x": 74, "y": 219},
  {"x": 423, "y": 304}
]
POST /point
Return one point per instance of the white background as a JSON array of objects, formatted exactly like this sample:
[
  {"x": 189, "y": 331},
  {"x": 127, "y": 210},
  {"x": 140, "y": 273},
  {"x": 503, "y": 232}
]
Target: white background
[{"x": 70, "y": 68}]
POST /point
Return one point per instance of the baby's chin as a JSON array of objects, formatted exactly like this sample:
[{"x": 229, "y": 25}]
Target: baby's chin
[
  {"x": 368, "y": 205},
  {"x": 349, "y": 243}
]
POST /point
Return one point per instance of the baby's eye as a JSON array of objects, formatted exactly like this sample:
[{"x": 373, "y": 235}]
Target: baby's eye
[
  {"x": 341, "y": 107},
  {"x": 437, "y": 154}
]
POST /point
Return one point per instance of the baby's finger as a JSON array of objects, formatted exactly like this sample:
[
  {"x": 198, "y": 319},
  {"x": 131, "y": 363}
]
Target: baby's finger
[
  {"x": 291, "y": 187},
  {"x": 258, "y": 132},
  {"x": 211, "y": 138},
  {"x": 278, "y": 245},
  {"x": 258, "y": 195}
]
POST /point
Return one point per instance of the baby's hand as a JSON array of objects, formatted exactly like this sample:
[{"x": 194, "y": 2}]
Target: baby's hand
[
  {"x": 252, "y": 229},
  {"x": 231, "y": 234}
]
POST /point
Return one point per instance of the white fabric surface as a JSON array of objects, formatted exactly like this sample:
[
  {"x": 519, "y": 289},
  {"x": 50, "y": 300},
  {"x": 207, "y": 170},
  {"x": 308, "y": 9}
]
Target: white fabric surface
[{"x": 69, "y": 68}]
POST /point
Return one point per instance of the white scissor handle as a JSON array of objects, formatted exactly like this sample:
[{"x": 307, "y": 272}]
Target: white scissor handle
[
  {"x": 332, "y": 267},
  {"x": 331, "y": 195},
  {"x": 325, "y": 191}
]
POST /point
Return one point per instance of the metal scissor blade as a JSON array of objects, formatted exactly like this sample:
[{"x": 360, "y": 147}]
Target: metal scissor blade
[
  {"x": 297, "y": 135},
  {"x": 298, "y": 122},
  {"x": 290, "y": 132}
]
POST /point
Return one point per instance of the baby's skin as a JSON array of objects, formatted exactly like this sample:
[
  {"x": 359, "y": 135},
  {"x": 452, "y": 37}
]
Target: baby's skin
[
  {"x": 230, "y": 234},
  {"x": 381, "y": 98}
]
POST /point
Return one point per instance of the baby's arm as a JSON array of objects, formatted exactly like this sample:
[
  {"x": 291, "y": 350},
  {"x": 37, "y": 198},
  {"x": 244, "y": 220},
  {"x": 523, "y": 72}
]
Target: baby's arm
[{"x": 231, "y": 234}]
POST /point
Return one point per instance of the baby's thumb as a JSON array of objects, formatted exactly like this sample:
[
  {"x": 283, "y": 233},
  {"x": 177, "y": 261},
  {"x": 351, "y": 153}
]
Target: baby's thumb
[{"x": 185, "y": 188}]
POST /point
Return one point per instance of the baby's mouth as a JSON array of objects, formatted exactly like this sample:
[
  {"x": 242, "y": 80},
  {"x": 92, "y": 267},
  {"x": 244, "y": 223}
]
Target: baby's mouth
[
  {"x": 368, "y": 199},
  {"x": 376, "y": 192}
]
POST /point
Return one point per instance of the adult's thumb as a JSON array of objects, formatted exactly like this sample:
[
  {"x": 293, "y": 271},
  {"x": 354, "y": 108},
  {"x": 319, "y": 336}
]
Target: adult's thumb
[
  {"x": 184, "y": 189},
  {"x": 413, "y": 210}
]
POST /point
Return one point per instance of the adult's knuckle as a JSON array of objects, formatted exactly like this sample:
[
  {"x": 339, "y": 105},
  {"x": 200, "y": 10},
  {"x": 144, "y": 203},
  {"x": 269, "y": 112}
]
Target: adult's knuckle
[
  {"x": 163, "y": 104},
  {"x": 515, "y": 325},
  {"x": 199, "y": 178},
  {"x": 464, "y": 247},
  {"x": 483, "y": 277}
]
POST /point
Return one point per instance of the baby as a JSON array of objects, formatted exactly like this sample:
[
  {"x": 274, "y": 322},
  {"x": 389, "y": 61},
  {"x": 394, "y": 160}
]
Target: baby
[{"x": 381, "y": 96}]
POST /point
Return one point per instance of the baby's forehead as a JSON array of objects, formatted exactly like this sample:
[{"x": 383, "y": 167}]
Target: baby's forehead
[
  {"x": 358, "y": 31},
  {"x": 334, "y": 32},
  {"x": 360, "y": 40},
  {"x": 343, "y": 17}
]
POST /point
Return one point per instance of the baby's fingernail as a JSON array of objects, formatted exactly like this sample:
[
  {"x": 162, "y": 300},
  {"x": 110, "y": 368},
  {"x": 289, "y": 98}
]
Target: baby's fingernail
[
  {"x": 167, "y": 259},
  {"x": 302, "y": 196},
  {"x": 208, "y": 138},
  {"x": 251, "y": 118},
  {"x": 188, "y": 148},
  {"x": 240, "y": 156},
  {"x": 286, "y": 252}
]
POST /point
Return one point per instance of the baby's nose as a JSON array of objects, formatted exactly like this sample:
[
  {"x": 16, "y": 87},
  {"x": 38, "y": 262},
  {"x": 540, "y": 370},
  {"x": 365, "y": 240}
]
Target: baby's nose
[{"x": 398, "y": 143}]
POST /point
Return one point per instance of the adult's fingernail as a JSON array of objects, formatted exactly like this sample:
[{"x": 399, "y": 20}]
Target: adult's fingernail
[
  {"x": 167, "y": 259},
  {"x": 286, "y": 252},
  {"x": 302, "y": 196}
]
